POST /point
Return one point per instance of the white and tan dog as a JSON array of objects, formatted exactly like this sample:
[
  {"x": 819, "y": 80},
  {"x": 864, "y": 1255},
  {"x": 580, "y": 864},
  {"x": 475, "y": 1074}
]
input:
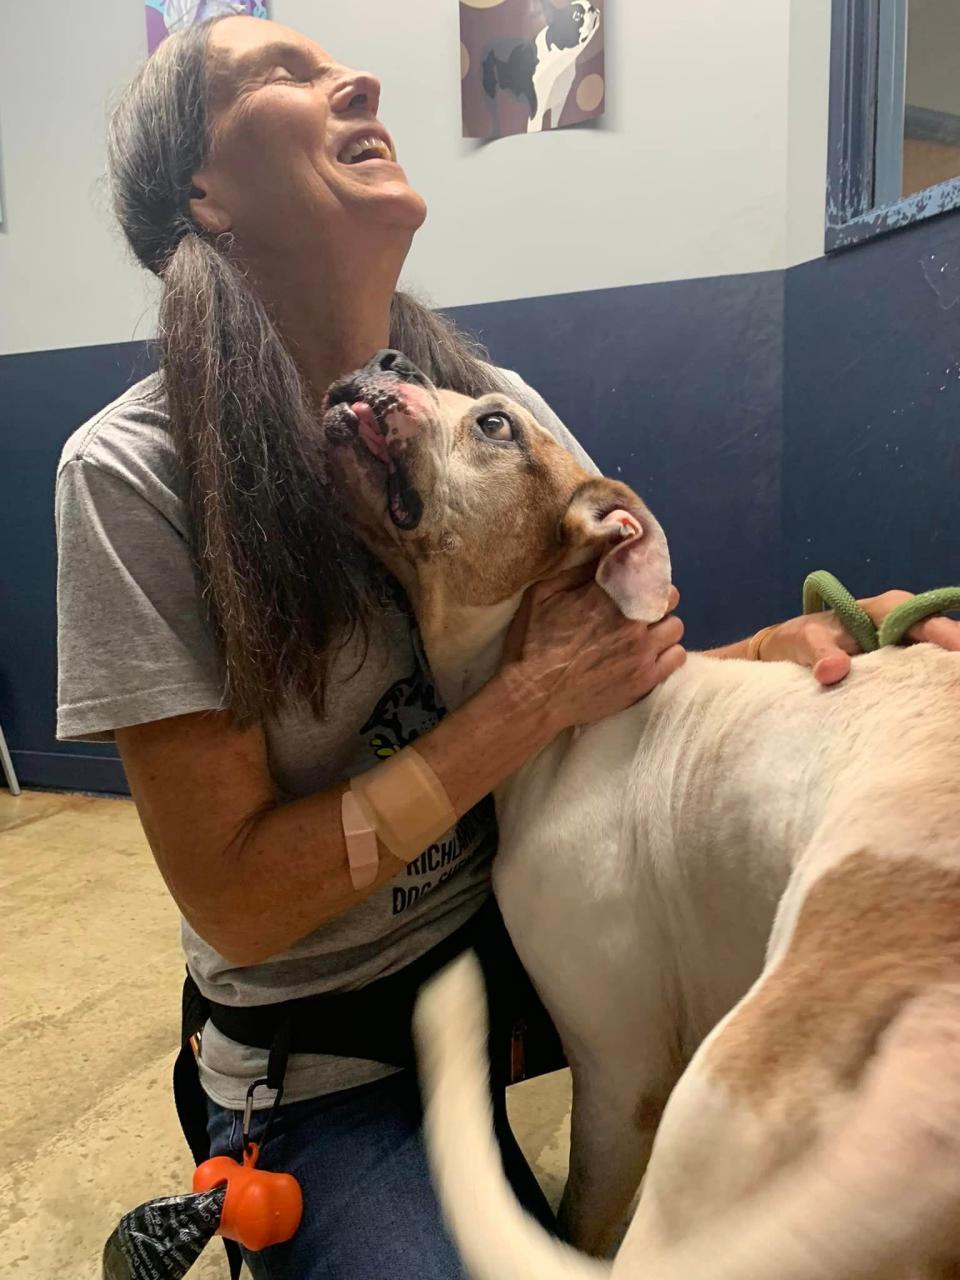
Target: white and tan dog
[{"x": 745, "y": 881}]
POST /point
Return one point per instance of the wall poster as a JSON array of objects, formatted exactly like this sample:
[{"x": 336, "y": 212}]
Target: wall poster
[
  {"x": 530, "y": 65},
  {"x": 164, "y": 16}
]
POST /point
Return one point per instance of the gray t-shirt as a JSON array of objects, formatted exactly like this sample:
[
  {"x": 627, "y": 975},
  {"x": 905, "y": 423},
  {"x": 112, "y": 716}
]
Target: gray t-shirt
[{"x": 134, "y": 646}]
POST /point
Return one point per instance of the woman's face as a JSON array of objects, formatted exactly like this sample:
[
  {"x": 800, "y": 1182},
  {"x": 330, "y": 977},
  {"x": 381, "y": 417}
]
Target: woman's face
[{"x": 298, "y": 159}]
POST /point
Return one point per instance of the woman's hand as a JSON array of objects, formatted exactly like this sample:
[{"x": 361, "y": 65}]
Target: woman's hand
[
  {"x": 819, "y": 640},
  {"x": 579, "y": 659}
]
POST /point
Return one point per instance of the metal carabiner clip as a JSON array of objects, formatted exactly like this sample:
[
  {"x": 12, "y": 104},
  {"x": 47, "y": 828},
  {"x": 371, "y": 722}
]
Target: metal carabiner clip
[{"x": 248, "y": 1113}]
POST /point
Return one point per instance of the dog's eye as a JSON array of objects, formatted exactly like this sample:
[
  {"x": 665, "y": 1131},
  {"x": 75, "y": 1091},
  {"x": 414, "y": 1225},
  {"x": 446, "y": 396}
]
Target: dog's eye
[{"x": 496, "y": 426}]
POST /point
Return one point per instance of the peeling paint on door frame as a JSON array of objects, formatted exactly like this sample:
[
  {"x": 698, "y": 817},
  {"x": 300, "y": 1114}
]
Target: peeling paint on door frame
[{"x": 865, "y": 73}]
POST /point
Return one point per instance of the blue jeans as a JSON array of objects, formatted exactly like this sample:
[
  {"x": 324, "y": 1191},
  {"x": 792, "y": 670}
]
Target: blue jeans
[{"x": 370, "y": 1211}]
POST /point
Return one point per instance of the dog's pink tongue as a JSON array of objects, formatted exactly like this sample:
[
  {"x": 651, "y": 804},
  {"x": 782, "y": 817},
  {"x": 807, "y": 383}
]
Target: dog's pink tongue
[{"x": 370, "y": 432}]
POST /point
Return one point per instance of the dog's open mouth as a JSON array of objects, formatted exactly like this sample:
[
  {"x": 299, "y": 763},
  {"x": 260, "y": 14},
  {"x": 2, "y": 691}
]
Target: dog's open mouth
[
  {"x": 403, "y": 501},
  {"x": 361, "y": 419}
]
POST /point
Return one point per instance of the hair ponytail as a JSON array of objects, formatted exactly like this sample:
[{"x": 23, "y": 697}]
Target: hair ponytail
[{"x": 281, "y": 577}]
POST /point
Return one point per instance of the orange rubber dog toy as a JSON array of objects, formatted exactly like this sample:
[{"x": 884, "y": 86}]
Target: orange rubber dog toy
[{"x": 260, "y": 1208}]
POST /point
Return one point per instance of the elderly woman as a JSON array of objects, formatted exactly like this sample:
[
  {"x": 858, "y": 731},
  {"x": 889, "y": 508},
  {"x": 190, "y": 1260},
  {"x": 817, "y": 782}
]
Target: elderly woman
[{"x": 219, "y": 621}]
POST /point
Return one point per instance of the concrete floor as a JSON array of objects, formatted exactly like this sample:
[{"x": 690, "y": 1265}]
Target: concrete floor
[{"x": 89, "y": 1020}]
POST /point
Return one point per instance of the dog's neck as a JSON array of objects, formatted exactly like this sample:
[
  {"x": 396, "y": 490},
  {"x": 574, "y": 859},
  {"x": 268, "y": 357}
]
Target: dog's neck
[{"x": 463, "y": 643}]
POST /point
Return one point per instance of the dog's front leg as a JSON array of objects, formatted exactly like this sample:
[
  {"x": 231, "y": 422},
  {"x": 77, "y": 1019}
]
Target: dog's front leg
[{"x": 616, "y": 1111}]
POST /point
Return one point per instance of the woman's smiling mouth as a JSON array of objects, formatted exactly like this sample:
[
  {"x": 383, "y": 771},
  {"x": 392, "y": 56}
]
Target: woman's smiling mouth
[{"x": 370, "y": 146}]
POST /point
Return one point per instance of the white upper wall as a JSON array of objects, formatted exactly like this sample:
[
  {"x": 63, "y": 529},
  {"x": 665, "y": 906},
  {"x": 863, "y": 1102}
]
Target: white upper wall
[
  {"x": 712, "y": 120},
  {"x": 808, "y": 119},
  {"x": 64, "y": 277}
]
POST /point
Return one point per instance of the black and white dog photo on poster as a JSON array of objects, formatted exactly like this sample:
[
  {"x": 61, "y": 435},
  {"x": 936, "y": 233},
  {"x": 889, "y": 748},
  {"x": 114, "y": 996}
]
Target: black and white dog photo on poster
[{"x": 542, "y": 71}]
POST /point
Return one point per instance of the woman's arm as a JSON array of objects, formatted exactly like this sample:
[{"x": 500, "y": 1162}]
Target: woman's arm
[
  {"x": 819, "y": 640},
  {"x": 253, "y": 875}
]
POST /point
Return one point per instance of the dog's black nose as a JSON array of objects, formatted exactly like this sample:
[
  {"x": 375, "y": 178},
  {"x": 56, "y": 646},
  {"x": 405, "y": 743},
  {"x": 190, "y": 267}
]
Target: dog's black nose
[{"x": 396, "y": 362}]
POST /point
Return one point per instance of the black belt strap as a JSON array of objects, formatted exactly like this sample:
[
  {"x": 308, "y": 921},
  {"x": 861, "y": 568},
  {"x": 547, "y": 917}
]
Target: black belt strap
[
  {"x": 373, "y": 1022},
  {"x": 280, "y": 1051}
]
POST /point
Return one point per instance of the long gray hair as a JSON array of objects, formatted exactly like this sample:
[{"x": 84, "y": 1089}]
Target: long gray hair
[{"x": 283, "y": 581}]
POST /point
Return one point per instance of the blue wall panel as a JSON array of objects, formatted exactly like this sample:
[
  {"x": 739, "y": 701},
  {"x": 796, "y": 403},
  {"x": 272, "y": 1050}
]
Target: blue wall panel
[
  {"x": 872, "y": 414},
  {"x": 43, "y": 397}
]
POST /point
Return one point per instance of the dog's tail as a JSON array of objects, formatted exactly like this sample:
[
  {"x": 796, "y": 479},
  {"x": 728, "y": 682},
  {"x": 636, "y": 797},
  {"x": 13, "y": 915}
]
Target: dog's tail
[{"x": 496, "y": 1238}]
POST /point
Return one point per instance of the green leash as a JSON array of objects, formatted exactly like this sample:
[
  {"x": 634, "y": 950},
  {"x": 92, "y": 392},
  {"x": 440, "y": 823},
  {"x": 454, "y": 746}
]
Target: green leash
[{"x": 822, "y": 590}]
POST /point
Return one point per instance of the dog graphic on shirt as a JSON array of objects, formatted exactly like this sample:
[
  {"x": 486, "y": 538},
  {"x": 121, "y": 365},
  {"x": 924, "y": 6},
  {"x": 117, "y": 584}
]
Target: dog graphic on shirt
[{"x": 408, "y": 709}]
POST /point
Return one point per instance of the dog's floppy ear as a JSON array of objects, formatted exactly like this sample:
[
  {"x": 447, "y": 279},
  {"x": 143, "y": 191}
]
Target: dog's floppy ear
[{"x": 606, "y": 518}]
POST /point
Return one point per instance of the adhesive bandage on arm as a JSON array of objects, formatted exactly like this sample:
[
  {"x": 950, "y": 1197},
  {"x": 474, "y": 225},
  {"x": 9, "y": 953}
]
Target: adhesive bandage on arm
[
  {"x": 403, "y": 803},
  {"x": 361, "y": 841}
]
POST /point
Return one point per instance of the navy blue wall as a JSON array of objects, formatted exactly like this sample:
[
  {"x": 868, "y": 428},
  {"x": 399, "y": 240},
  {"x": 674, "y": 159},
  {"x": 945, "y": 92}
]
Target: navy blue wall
[
  {"x": 774, "y": 422},
  {"x": 871, "y": 441},
  {"x": 43, "y": 397}
]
